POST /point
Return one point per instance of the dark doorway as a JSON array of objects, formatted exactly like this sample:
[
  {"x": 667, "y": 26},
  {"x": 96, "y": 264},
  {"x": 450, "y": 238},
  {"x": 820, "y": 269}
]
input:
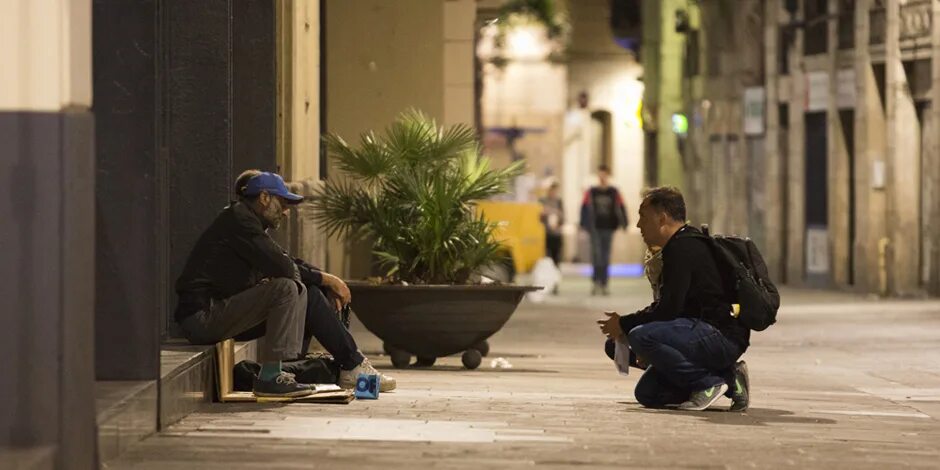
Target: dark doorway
[
  {"x": 847, "y": 120},
  {"x": 756, "y": 190},
  {"x": 816, "y": 199},
  {"x": 650, "y": 162},
  {"x": 601, "y": 139},
  {"x": 783, "y": 143},
  {"x": 928, "y": 197}
]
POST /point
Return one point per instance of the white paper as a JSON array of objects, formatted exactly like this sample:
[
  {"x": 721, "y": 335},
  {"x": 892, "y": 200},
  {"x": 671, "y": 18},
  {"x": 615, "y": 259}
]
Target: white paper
[
  {"x": 622, "y": 355},
  {"x": 322, "y": 388}
]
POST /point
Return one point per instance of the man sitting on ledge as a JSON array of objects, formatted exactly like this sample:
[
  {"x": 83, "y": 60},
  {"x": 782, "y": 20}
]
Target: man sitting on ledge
[{"x": 238, "y": 283}]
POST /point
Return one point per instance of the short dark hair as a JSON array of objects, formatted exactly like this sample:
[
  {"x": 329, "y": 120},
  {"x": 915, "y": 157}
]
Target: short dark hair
[
  {"x": 604, "y": 168},
  {"x": 666, "y": 199},
  {"x": 241, "y": 183}
]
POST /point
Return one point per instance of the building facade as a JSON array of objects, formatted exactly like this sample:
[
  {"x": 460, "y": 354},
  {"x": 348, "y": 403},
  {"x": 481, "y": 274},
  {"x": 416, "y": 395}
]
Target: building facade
[{"x": 813, "y": 130}]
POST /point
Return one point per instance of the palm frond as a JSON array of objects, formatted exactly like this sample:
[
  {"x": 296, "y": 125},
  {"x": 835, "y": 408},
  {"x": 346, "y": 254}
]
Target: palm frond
[{"x": 411, "y": 190}]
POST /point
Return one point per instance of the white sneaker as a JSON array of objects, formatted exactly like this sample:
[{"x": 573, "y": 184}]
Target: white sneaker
[{"x": 347, "y": 378}]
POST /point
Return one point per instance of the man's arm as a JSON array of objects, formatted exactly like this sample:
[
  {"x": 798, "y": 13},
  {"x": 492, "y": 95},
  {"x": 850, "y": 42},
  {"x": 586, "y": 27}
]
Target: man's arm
[
  {"x": 314, "y": 276},
  {"x": 263, "y": 253},
  {"x": 310, "y": 275},
  {"x": 586, "y": 221},
  {"x": 622, "y": 216},
  {"x": 676, "y": 279}
]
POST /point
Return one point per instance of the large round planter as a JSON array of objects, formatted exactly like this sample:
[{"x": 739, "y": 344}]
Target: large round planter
[{"x": 438, "y": 320}]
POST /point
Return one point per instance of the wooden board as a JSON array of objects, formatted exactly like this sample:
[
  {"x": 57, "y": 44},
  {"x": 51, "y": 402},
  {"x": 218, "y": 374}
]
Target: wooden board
[{"x": 341, "y": 397}]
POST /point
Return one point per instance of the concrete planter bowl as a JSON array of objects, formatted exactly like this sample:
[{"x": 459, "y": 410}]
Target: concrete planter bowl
[{"x": 435, "y": 321}]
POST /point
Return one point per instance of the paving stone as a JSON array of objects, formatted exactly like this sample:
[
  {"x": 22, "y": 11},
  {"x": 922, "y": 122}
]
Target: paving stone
[{"x": 841, "y": 381}]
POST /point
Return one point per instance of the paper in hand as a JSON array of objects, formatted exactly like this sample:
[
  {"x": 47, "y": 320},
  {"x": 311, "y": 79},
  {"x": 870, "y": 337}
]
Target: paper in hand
[{"x": 622, "y": 355}]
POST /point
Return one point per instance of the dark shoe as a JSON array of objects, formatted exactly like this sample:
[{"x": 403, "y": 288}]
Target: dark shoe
[
  {"x": 702, "y": 399},
  {"x": 740, "y": 396},
  {"x": 283, "y": 386}
]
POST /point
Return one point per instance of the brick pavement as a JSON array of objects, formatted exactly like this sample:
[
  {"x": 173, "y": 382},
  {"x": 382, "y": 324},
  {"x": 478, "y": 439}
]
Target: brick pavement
[{"x": 841, "y": 382}]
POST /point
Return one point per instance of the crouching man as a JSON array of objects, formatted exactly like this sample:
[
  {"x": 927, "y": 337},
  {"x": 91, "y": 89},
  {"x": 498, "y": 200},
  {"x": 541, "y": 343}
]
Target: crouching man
[
  {"x": 687, "y": 338},
  {"x": 238, "y": 283}
]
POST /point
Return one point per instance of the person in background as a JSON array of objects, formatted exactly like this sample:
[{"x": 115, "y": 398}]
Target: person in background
[
  {"x": 602, "y": 213},
  {"x": 553, "y": 218}
]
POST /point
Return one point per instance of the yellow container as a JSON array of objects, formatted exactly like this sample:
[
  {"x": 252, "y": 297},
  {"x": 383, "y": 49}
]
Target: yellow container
[{"x": 518, "y": 229}]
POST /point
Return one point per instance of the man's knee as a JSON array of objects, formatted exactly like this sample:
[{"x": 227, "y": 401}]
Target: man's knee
[
  {"x": 640, "y": 338},
  {"x": 284, "y": 287},
  {"x": 646, "y": 394},
  {"x": 645, "y": 398},
  {"x": 609, "y": 348}
]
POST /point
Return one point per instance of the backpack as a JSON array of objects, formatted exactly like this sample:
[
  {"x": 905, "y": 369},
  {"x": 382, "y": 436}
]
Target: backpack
[
  {"x": 313, "y": 369},
  {"x": 746, "y": 274}
]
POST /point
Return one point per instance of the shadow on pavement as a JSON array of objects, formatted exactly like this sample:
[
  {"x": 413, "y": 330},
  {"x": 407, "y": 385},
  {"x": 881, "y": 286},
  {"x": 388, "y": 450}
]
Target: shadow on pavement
[
  {"x": 377, "y": 354},
  {"x": 455, "y": 368},
  {"x": 752, "y": 417},
  {"x": 221, "y": 408}
]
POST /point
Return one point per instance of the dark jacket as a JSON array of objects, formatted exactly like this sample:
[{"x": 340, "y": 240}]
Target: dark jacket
[
  {"x": 603, "y": 208},
  {"x": 691, "y": 287},
  {"x": 234, "y": 254}
]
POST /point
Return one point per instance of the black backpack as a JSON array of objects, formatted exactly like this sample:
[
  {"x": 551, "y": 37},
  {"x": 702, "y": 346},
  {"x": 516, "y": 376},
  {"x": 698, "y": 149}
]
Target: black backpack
[{"x": 747, "y": 278}]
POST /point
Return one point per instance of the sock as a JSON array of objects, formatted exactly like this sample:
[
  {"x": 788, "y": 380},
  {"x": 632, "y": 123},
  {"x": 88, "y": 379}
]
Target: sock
[{"x": 270, "y": 371}]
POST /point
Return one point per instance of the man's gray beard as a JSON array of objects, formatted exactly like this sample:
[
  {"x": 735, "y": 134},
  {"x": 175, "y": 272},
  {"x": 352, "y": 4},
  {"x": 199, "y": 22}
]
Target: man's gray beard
[{"x": 273, "y": 216}]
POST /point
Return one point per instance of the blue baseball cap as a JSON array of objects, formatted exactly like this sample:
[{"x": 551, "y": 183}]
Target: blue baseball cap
[{"x": 273, "y": 184}]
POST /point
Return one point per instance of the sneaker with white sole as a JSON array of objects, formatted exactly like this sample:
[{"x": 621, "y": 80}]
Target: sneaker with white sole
[
  {"x": 347, "y": 378},
  {"x": 702, "y": 399},
  {"x": 740, "y": 396}
]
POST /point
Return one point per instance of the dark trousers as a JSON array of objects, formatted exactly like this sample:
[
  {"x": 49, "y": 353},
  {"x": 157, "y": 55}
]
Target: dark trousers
[
  {"x": 321, "y": 322},
  {"x": 279, "y": 303},
  {"x": 684, "y": 355},
  {"x": 601, "y": 240},
  {"x": 553, "y": 247}
]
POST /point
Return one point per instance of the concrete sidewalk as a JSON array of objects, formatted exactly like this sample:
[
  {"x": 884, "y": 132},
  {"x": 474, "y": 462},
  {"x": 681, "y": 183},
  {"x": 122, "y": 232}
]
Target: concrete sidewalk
[{"x": 840, "y": 382}]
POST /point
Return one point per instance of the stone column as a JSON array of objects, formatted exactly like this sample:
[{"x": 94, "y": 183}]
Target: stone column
[
  {"x": 869, "y": 156},
  {"x": 796, "y": 161},
  {"x": 773, "y": 217},
  {"x": 298, "y": 116},
  {"x": 48, "y": 238},
  {"x": 932, "y": 165},
  {"x": 902, "y": 166},
  {"x": 838, "y": 165}
]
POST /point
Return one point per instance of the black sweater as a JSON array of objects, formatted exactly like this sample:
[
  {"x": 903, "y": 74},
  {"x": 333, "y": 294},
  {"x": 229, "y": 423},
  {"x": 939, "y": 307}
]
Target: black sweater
[
  {"x": 232, "y": 255},
  {"x": 691, "y": 287}
]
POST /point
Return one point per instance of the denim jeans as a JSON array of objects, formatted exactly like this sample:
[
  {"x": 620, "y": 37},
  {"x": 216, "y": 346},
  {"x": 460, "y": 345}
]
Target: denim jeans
[
  {"x": 600, "y": 255},
  {"x": 685, "y": 355}
]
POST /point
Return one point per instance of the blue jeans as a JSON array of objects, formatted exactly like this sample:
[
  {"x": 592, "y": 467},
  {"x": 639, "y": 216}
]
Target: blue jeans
[
  {"x": 685, "y": 355},
  {"x": 600, "y": 255}
]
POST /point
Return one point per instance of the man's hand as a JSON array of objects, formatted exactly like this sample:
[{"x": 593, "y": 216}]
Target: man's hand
[
  {"x": 339, "y": 288},
  {"x": 610, "y": 326}
]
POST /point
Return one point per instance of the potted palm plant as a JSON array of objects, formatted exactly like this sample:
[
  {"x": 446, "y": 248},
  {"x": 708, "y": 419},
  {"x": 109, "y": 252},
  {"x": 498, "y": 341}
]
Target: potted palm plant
[{"x": 412, "y": 191}]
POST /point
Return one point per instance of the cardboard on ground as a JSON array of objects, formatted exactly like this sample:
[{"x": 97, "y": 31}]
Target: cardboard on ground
[{"x": 225, "y": 361}]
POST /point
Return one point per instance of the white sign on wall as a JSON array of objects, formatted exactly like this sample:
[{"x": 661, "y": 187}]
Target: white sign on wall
[
  {"x": 817, "y": 91},
  {"x": 845, "y": 89},
  {"x": 817, "y": 250},
  {"x": 754, "y": 111}
]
